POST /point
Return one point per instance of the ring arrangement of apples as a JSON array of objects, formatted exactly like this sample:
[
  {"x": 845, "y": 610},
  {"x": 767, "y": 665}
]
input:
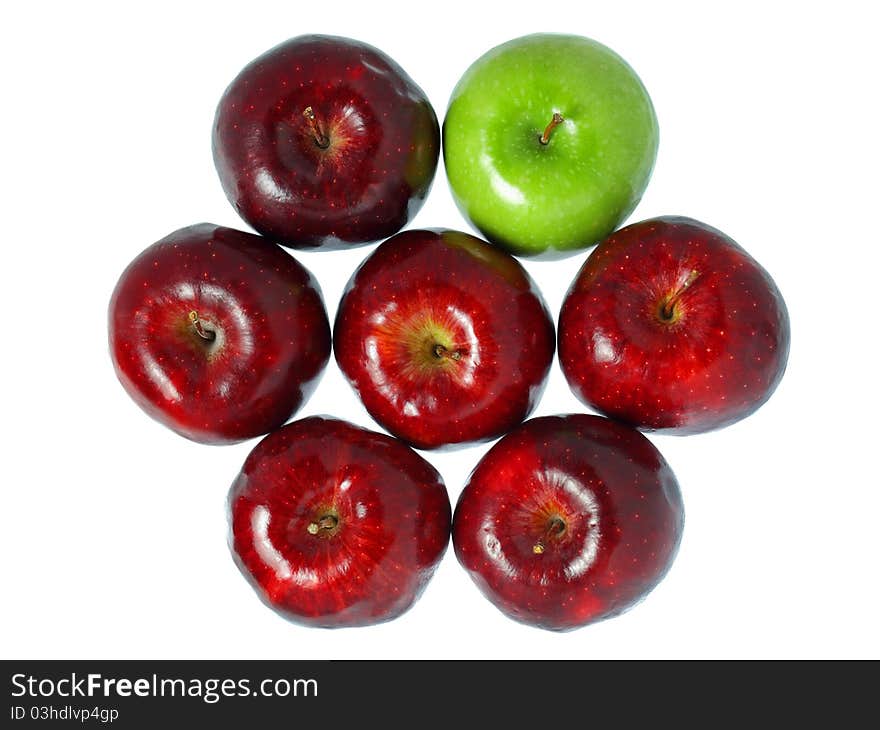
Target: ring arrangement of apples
[{"x": 549, "y": 142}]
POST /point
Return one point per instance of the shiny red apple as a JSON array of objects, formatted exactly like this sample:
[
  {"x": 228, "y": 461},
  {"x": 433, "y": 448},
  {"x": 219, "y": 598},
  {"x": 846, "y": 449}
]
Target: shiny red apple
[
  {"x": 671, "y": 326},
  {"x": 568, "y": 520},
  {"x": 445, "y": 338},
  {"x": 337, "y": 526},
  {"x": 219, "y": 334},
  {"x": 325, "y": 142}
]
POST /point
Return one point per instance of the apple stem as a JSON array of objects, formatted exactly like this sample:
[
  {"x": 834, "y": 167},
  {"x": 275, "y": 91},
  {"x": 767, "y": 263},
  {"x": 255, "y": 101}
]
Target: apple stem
[
  {"x": 205, "y": 334},
  {"x": 548, "y": 130},
  {"x": 667, "y": 311},
  {"x": 555, "y": 526},
  {"x": 439, "y": 351},
  {"x": 320, "y": 138},
  {"x": 326, "y": 523}
]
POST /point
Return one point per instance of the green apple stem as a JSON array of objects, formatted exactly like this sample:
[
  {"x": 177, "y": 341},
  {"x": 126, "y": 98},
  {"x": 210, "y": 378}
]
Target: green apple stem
[
  {"x": 555, "y": 526},
  {"x": 439, "y": 351},
  {"x": 548, "y": 130},
  {"x": 325, "y": 524},
  {"x": 205, "y": 334},
  {"x": 667, "y": 311},
  {"x": 320, "y": 138}
]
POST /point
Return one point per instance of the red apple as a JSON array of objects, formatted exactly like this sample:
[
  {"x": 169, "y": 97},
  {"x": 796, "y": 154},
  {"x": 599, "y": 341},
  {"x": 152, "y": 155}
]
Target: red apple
[
  {"x": 325, "y": 142},
  {"x": 335, "y": 525},
  {"x": 671, "y": 326},
  {"x": 220, "y": 335},
  {"x": 445, "y": 338},
  {"x": 568, "y": 520}
]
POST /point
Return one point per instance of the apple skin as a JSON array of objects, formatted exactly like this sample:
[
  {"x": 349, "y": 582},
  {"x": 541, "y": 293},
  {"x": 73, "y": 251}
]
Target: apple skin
[
  {"x": 715, "y": 360},
  {"x": 426, "y": 289},
  {"x": 568, "y": 520},
  {"x": 271, "y": 333},
  {"x": 382, "y": 136},
  {"x": 335, "y": 525},
  {"x": 549, "y": 200}
]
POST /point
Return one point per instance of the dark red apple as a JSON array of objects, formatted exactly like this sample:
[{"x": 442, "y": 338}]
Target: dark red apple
[
  {"x": 325, "y": 142},
  {"x": 335, "y": 525},
  {"x": 568, "y": 520},
  {"x": 445, "y": 338},
  {"x": 671, "y": 326},
  {"x": 220, "y": 335}
]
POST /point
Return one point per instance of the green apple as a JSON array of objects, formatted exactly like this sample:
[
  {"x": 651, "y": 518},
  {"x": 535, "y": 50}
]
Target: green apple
[{"x": 549, "y": 142}]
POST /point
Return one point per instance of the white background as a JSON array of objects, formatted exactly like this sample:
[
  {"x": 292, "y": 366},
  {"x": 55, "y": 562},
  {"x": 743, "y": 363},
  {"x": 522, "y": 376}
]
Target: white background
[{"x": 112, "y": 528}]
